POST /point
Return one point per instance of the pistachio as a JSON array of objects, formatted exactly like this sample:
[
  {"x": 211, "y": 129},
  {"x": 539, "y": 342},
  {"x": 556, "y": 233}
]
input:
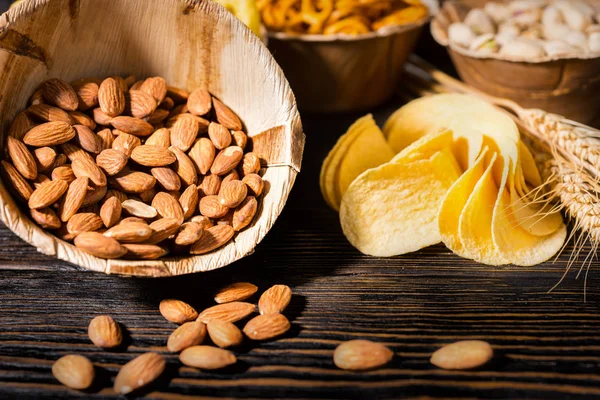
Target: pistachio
[
  {"x": 577, "y": 39},
  {"x": 485, "y": 43},
  {"x": 479, "y": 21},
  {"x": 557, "y": 48},
  {"x": 522, "y": 49},
  {"x": 594, "y": 42},
  {"x": 461, "y": 34},
  {"x": 499, "y": 12}
]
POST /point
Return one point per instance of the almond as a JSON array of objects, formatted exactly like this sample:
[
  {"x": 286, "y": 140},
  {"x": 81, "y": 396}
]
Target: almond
[
  {"x": 107, "y": 138},
  {"x": 47, "y": 194},
  {"x": 202, "y": 220},
  {"x": 190, "y": 232},
  {"x": 20, "y": 125},
  {"x": 125, "y": 143},
  {"x": 46, "y": 218},
  {"x": 250, "y": 164},
  {"x": 226, "y": 116},
  {"x": 84, "y": 222},
  {"x": 212, "y": 238},
  {"x": 224, "y": 334},
  {"x": 74, "y": 198},
  {"x": 37, "y": 98},
  {"x": 74, "y": 152},
  {"x": 136, "y": 85},
  {"x": 244, "y": 213},
  {"x": 233, "y": 193},
  {"x": 187, "y": 335},
  {"x": 275, "y": 299},
  {"x": 63, "y": 173},
  {"x": 94, "y": 195},
  {"x": 141, "y": 104},
  {"x": 111, "y": 161},
  {"x": 152, "y": 156},
  {"x": 240, "y": 139},
  {"x": 110, "y": 212},
  {"x": 60, "y": 93},
  {"x": 132, "y": 219},
  {"x": 22, "y": 158},
  {"x": 46, "y": 113},
  {"x": 87, "y": 139},
  {"x": 203, "y": 154},
  {"x": 156, "y": 87},
  {"x": 231, "y": 176},
  {"x": 133, "y": 181},
  {"x": 167, "y": 206},
  {"x": 227, "y": 219},
  {"x": 104, "y": 332},
  {"x": 167, "y": 178},
  {"x": 219, "y": 135},
  {"x": 358, "y": 355},
  {"x": 100, "y": 117},
  {"x": 121, "y": 82},
  {"x": 115, "y": 193},
  {"x": 59, "y": 161},
  {"x": 189, "y": 201},
  {"x": 44, "y": 158},
  {"x": 235, "y": 292},
  {"x": 211, "y": 184},
  {"x": 130, "y": 80},
  {"x": 161, "y": 137},
  {"x": 167, "y": 103},
  {"x": 163, "y": 228},
  {"x": 184, "y": 129},
  {"x": 49, "y": 134},
  {"x": 111, "y": 97},
  {"x": 184, "y": 167},
  {"x": 139, "y": 372},
  {"x": 140, "y": 251},
  {"x": 19, "y": 184},
  {"x": 230, "y": 312},
  {"x": 139, "y": 209},
  {"x": 211, "y": 207},
  {"x": 42, "y": 179},
  {"x": 133, "y": 232},
  {"x": 177, "y": 311},
  {"x": 180, "y": 109},
  {"x": 199, "y": 102},
  {"x": 465, "y": 354},
  {"x": 149, "y": 194},
  {"x": 98, "y": 245},
  {"x": 84, "y": 167},
  {"x": 178, "y": 95},
  {"x": 226, "y": 160},
  {"x": 266, "y": 327},
  {"x": 80, "y": 118},
  {"x": 157, "y": 117},
  {"x": 74, "y": 371},
  {"x": 87, "y": 94},
  {"x": 133, "y": 126},
  {"x": 207, "y": 357},
  {"x": 255, "y": 184}
]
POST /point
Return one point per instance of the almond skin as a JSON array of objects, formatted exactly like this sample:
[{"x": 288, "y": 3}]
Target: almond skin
[
  {"x": 250, "y": 164},
  {"x": 47, "y": 113},
  {"x": 240, "y": 139},
  {"x": 167, "y": 178},
  {"x": 125, "y": 143},
  {"x": 133, "y": 126},
  {"x": 225, "y": 116},
  {"x": 161, "y": 137},
  {"x": 41, "y": 179},
  {"x": 110, "y": 212},
  {"x": 233, "y": 193},
  {"x": 212, "y": 238},
  {"x": 74, "y": 371},
  {"x": 184, "y": 130},
  {"x": 358, "y": 355},
  {"x": 230, "y": 312},
  {"x": 74, "y": 198},
  {"x": 177, "y": 311},
  {"x": 80, "y": 118},
  {"x": 224, "y": 334},
  {"x": 111, "y": 97},
  {"x": 49, "y": 134},
  {"x": 211, "y": 184},
  {"x": 211, "y": 207},
  {"x": 86, "y": 167},
  {"x": 264, "y": 327},
  {"x": 139, "y": 372},
  {"x": 130, "y": 232},
  {"x": 94, "y": 195},
  {"x": 104, "y": 332},
  {"x": 47, "y": 194},
  {"x": 140, "y": 251},
  {"x": 244, "y": 213},
  {"x": 64, "y": 173},
  {"x": 132, "y": 181},
  {"x": 44, "y": 158},
  {"x": 156, "y": 87},
  {"x": 100, "y": 117},
  {"x": 84, "y": 222},
  {"x": 187, "y": 335},
  {"x": 111, "y": 161},
  {"x": 190, "y": 232},
  {"x": 199, "y": 102},
  {"x": 19, "y": 184},
  {"x": 465, "y": 354},
  {"x": 60, "y": 93},
  {"x": 98, "y": 245},
  {"x": 219, "y": 135},
  {"x": 235, "y": 292},
  {"x": 203, "y": 154},
  {"x": 46, "y": 218},
  {"x": 167, "y": 206},
  {"x": 107, "y": 138},
  {"x": 163, "y": 228},
  {"x": 275, "y": 299},
  {"x": 152, "y": 156},
  {"x": 188, "y": 201},
  {"x": 226, "y": 160},
  {"x": 22, "y": 158},
  {"x": 184, "y": 167},
  {"x": 207, "y": 357},
  {"x": 87, "y": 139},
  {"x": 141, "y": 104},
  {"x": 87, "y": 94}
]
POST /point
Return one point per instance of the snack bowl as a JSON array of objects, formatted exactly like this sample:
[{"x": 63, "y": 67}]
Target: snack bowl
[
  {"x": 568, "y": 85},
  {"x": 189, "y": 43},
  {"x": 342, "y": 73}
]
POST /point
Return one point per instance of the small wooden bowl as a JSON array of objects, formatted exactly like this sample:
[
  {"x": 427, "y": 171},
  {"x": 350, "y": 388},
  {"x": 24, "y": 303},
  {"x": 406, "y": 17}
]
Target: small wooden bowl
[
  {"x": 565, "y": 86},
  {"x": 341, "y": 73},
  {"x": 190, "y": 44}
]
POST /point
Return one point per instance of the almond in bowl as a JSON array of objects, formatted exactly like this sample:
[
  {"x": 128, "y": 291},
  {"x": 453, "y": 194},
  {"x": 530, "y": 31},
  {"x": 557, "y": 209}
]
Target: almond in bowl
[{"x": 108, "y": 156}]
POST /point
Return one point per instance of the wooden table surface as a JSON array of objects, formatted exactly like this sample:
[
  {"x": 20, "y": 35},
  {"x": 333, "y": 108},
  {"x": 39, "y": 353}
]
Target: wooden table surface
[{"x": 547, "y": 345}]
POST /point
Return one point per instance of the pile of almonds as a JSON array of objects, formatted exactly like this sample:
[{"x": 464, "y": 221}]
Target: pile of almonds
[{"x": 135, "y": 169}]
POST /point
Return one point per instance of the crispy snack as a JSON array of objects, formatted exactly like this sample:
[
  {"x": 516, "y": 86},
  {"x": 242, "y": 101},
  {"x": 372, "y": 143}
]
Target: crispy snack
[{"x": 351, "y": 17}]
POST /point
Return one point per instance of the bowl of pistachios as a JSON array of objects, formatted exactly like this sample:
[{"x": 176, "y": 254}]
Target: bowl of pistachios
[{"x": 540, "y": 53}]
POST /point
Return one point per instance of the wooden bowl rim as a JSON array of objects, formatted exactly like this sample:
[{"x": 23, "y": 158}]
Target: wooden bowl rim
[{"x": 49, "y": 244}]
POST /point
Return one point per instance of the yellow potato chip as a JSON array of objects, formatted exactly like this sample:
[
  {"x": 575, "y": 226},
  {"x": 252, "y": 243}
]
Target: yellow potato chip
[
  {"x": 393, "y": 209},
  {"x": 529, "y": 166},
  {"x": 368, "y": 150},
  {"x": 454, "y": 203},
  {"x": 475, "y": 225},
  {"x": 426, "y": 146}
]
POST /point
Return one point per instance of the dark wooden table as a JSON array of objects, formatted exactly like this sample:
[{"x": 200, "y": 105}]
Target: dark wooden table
[{"x": 547, "y": 345}]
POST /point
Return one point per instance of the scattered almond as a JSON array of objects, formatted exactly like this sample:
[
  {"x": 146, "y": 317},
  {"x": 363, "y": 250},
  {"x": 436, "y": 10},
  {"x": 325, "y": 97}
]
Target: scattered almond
[
  {"x": 184, "y": 130},
  {"x": 139, "y": 372},
  {"x": 207, "y": 357},
  {"x": 240, "y": 139},
  {"x": 219, "y": 135},
  {"x": 224, "y": 334},
  {"x": 167, "y": 206},
  {"x": 105, "y": 332},
  {"x": 465, "y": 354},
  {"x": 235, "y": 292},
  {"x": 131, "y": 125},
  {"x": 167, "y": 178},
  {"x": 74, "y": 371},
  {"x": 268, "y": 326},
  {"x": 125, "y": 143},
  {"x": 177, "y": 311},
  {"x": 141, "y": 104},
  {"x": 87, "y": 139},
  {"x": 189, "y": 201},
  {"x": 161, "y": 137},
  {"x": 230, "y": 312},
  {"x": 22, "y": 158},
  {"x": 187, "y": 335},
  {"x": 358, "y": 355},
  {"x": 275, "y": 299}
]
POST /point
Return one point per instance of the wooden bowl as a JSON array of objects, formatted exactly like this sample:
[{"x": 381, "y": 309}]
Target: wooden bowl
[
  {"x": 190, "y": 44},
  {"x": 565, "y": 86},
  {"x": 341, "y": 73}
]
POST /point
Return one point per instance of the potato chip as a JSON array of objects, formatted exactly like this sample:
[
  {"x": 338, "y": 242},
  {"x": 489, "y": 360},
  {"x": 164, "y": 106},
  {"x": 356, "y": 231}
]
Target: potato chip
[
  {"x": 529, "y": 166},
  {"x": 393, "y": 209},
  {"x": 475, "y": 225},
  {"x": 426, "y": 146}
]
